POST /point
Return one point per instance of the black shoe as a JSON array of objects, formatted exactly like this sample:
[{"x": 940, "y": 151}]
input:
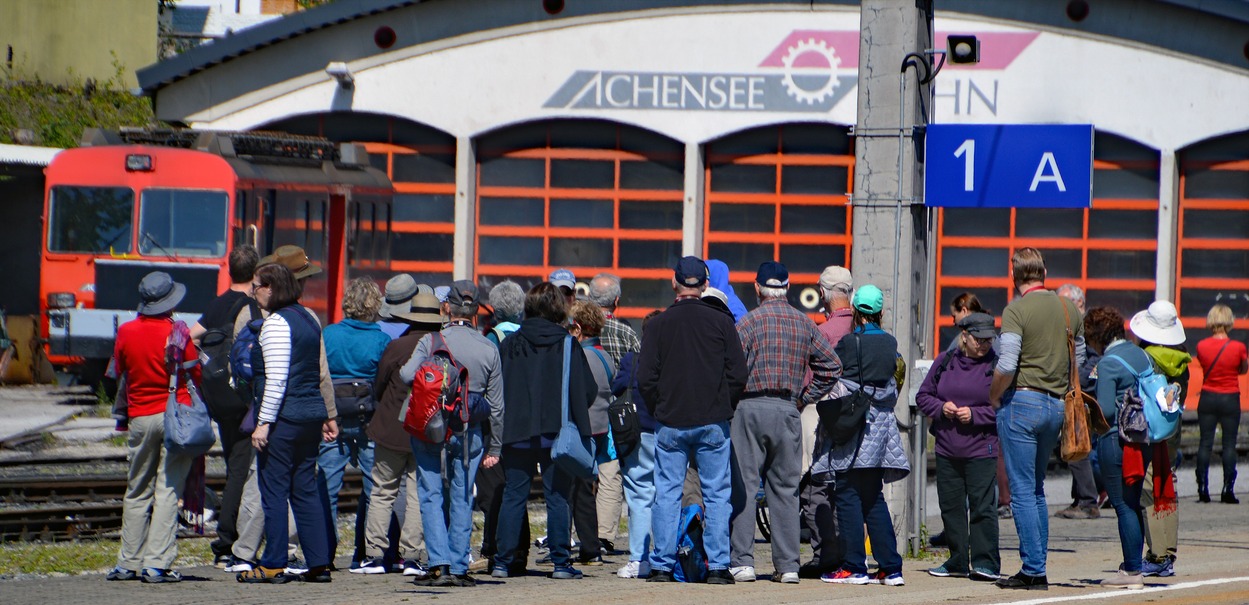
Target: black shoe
[
  {"x": 1203, "y": 495},
  {"x": 1228, "y": 497},
  {"x": 434, "y": 576},
  {"x": 813, "y": 570},
  {"x": 659, "y": 575},
  {"x": 938, "y": 541},
  {"x": 1022, "y": 581},
  {"x": 590, "y": 561},
  {"x": 720, "y": 576},
  {"x": 318, "y": 575},
  {"x": 450, "y": 580},
  {"x": 608, "y": 548}
]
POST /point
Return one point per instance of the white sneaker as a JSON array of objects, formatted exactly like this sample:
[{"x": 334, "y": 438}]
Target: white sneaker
[
  {"x": 789, "y": 577},
  {"x": 240, "y": 566},
  {"x": 630, "y": 570},
  {"x": 744, "y": 573},
  {"x": 370, "y": 566},
  {"x": 1123, "y": 579}
]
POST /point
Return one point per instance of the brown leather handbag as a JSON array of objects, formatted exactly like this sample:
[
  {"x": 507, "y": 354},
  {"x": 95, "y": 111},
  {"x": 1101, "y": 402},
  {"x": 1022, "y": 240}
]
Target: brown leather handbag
[{"x": 1082, "y": 417}]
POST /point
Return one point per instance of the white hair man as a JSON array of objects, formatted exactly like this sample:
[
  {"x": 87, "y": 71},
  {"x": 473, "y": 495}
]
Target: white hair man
[
  {"x": 618, "y": 337},
  {"x": 781, "y": 345}
]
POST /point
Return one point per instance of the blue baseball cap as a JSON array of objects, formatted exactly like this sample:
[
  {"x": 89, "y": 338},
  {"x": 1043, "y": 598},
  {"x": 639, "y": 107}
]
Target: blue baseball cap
[
  {"x": 691, "y": 272},
  {"x": 563, "y": 278}
]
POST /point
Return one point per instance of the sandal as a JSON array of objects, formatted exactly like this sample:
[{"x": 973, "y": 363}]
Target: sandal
[{"x": 265, "y": 575}]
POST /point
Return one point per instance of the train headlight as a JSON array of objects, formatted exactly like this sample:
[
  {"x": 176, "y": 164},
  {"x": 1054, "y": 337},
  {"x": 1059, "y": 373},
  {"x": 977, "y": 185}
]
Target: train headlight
[
  {"x": 139, "y": 163},
  {"x": 62, "y": 300}
]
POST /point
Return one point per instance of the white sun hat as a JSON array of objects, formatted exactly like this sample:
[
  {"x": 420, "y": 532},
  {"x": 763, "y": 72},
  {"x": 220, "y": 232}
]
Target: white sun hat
[{"x": 1158, "y": 324}]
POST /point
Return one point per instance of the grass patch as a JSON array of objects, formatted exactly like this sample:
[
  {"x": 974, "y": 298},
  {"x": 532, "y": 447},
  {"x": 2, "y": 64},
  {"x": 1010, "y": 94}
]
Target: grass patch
[{"x": 86, "y": 556}]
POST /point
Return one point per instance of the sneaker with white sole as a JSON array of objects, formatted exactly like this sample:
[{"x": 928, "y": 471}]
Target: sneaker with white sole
[
  {"x": 371, "y": 565},
  {"x": 845, "y": 576},
  {"x": 1123, "y": 579},
  {"x": 296, "y": 566},
  {"x": 152, "y": 575},
  {"x": 630, "y": 570},
  {"x": 789, "y": 577},
  {"x": 892, "y": 579},
  {"x": 415, "y": 569},
  {"x": 240, "y": 566},
  {"x": 743, "y": 573},
  {"x": 1158, "y": 569}
]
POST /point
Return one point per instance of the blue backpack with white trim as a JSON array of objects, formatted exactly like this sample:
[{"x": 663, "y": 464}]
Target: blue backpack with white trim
[{"x": 1159, "y": 403}]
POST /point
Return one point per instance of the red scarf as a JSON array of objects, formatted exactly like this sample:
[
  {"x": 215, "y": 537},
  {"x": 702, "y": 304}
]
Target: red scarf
[{"x": 1164, "y": 483}]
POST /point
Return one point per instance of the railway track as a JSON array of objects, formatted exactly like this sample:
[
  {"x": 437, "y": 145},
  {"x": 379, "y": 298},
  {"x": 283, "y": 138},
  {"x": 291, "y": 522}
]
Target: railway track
[{"x": 53, "y": 509}]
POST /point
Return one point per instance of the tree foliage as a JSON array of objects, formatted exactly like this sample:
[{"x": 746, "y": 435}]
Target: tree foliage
[{"x": 36, "y": 112}]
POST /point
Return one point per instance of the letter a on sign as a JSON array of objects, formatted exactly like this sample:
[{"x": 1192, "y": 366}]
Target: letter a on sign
[{"x": 1047, "y": 172}]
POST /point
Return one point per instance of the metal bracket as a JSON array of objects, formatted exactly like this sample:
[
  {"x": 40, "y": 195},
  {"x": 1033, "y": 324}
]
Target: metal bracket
[{"x": 886, "y": 132}]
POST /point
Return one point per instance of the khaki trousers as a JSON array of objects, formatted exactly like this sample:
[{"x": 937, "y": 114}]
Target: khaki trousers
[
  {"x": 251, "y": 522},
  {"x": 149, "y": 525},
  {"x": 1161, "y": 533},
  {"x": 391, "y": 468},
  {"x": 609, "y": 500}
]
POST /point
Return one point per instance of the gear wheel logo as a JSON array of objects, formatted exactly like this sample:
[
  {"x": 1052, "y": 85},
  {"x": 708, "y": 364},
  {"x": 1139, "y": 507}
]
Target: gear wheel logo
[{"x": 810, "y": 71}]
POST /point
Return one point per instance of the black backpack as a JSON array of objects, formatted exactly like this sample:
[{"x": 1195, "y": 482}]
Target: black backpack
[{"x": 219, "y": 393}]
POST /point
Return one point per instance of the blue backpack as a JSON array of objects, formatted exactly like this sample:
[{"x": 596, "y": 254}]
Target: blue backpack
[
  {"x": 691, "y": 556},
  {"x": 241, "y": 354},
  {"x": 1159, "y": 402}
]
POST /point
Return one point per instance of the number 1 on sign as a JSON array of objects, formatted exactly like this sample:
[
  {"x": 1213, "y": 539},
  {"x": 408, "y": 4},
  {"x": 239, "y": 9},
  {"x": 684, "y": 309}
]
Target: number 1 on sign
[{"x": 968, "y": 148}]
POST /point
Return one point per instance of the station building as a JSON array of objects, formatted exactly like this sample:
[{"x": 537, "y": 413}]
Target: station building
[{"x": 524, "y": 135}]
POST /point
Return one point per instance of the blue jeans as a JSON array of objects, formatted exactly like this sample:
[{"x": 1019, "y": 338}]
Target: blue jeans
[
  {"x": 519, "y": 466},
  {"x": 860, "y": 499},
  {"x": 709, "y": 446},
  {"x": 1027, "y": 427},
  {"x": 352, "y": 447},
  {"x": 1125, "y": 498},
  {"x": 448, "y": 543},
  {"x": 638, "y": 472}
]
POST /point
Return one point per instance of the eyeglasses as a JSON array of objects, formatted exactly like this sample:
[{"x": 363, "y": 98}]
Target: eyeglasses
[
  {"x": 981, "y": 341},
  {"x": 256, "y": 286}
]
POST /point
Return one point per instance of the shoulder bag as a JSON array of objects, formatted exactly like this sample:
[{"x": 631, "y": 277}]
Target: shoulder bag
[
  {"x": 188, "y": 428},
  {"x": 571, "y": 452},
  {"x": 622, "y": 415},
  {"x": 1082, "y": 417},
  {"x": 844, "y": 418}
]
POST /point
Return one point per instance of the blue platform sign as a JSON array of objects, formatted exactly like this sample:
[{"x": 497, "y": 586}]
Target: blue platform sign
[{"x": 1009, "y": 165}]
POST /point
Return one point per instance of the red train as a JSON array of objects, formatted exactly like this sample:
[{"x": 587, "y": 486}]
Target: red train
[{"x": 130, "y": 202}]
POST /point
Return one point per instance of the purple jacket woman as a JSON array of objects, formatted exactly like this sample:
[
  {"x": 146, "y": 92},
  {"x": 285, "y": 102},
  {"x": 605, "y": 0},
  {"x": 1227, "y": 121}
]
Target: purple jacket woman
[{"x": 955, "y": 395}]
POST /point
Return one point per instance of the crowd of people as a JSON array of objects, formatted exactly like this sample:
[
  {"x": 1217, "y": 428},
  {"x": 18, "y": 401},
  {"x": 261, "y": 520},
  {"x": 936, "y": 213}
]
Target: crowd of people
[{"x": 729, "y": 403}]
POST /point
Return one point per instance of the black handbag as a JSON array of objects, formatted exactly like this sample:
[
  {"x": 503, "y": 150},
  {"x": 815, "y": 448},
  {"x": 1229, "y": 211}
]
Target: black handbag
[
  {"x": 843, "y": 418},
  {"x": 622, "y": 415}
]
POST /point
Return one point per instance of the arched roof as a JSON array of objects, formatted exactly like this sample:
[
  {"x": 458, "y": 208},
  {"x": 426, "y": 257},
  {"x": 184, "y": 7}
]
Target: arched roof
[{"x": 1168, "y": 24}]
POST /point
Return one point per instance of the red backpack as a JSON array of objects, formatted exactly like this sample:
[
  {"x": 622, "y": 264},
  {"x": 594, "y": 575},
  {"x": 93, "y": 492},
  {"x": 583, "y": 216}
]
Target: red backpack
[{"x": 439, "y": 391}]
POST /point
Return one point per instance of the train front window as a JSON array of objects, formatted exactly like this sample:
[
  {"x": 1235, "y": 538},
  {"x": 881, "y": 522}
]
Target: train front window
[
  {"x": 183, "y": 222},
  {"x": 90, "y": 219}
]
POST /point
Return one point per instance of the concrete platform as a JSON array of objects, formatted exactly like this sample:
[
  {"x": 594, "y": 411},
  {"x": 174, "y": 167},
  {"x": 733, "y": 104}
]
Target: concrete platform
[
  {"x": 30, "y": 410},
  {"x": 1213, "y": 567}
]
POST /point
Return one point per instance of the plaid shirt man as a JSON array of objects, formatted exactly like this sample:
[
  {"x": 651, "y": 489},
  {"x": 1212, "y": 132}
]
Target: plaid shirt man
[
  {"x": 618, "y": 338},
  {"x": 780, "y": 342}
]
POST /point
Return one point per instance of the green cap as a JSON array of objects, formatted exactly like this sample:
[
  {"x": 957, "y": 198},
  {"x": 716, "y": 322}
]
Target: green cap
[{"x": 868, "y": 299}]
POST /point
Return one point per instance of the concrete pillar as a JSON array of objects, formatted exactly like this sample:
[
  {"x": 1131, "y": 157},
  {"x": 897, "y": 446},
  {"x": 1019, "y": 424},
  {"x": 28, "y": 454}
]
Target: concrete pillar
[
  {"x": 462, "y": 260},
  {"x": 890, "y": 222},
  {"x": 695, "y": 208},
  {"x": 1168, "y": 225}
]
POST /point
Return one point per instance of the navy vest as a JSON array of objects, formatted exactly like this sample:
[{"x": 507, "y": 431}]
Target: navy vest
[{"x": 302, "y": 401}]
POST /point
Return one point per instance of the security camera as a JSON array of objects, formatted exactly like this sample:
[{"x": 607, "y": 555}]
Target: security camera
[{"x": 340, "y": 72}]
